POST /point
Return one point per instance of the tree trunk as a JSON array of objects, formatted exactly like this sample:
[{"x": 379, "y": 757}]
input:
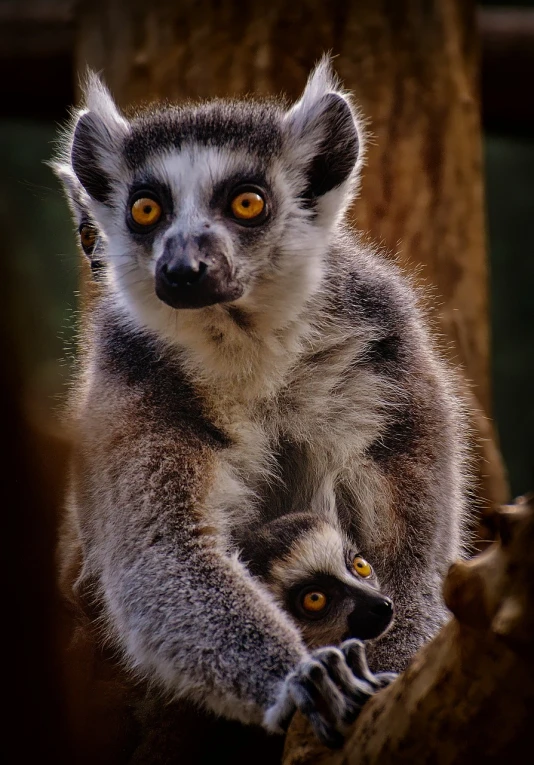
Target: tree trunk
[
  {"x": 468, "y": 696},
  {"x": 413, "y": 68}
]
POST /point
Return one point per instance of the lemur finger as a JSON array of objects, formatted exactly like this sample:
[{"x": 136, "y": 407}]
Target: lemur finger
[
  {"x": 384, "y": 679},
  {"x": 355, "y": 691},
  {"x": 354, "y": 652},
  {"x": 306, "y": 703},
  {"x": 337, "y": 667},
  {"x": 315, "y": 677}
]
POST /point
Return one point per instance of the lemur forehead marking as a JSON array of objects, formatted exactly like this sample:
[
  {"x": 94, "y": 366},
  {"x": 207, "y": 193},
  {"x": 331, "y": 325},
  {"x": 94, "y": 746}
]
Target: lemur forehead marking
[
  {"x": 196, "y": 173},
  {"x": 322, "y": 550},
  {"x": 252, "y": 127}
]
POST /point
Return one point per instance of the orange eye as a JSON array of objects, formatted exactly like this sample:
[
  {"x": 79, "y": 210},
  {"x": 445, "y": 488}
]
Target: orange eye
[
  {"x": 247, "y": 205},
  {"x": 361, "y": 567},
  {"x": 145, "y": 211},
  {"x": 88, "y": 236},
  {"x": 314, "y": 601}
]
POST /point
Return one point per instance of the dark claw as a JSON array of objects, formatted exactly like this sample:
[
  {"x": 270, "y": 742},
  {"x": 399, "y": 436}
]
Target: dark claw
[{"x": 330, "y": 688}]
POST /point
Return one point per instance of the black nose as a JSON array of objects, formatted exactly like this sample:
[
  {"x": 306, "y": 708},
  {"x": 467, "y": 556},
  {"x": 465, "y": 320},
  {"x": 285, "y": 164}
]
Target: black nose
[
  {"x": 184, "y": 278},
  {"x": 182, "y": 272},
  {"x": 193, "y": 272},
  {"x": 371, "y": 617}
]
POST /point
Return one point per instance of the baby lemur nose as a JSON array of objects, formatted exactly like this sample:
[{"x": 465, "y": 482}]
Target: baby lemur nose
[{"x": 371, "y": 618}]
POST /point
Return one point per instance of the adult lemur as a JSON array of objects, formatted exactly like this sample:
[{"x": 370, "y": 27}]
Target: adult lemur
[{"x": 248, "y": 353}]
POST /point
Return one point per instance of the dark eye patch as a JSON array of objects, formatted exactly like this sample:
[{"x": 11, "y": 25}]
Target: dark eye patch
[
  {"x": 325, "y": 583},
  {"x": 225, "y": 190},
  {"x": 159, "y": 191}
]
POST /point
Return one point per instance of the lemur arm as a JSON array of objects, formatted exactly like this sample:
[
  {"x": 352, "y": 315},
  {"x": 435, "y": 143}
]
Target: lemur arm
[{"x": 183, "y": 611}]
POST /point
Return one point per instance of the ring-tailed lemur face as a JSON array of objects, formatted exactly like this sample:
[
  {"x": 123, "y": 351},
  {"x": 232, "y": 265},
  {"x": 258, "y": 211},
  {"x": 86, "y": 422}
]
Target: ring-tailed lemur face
[
  {"x": 217, "y": 203},
  {"x": 320, "y": 578}
]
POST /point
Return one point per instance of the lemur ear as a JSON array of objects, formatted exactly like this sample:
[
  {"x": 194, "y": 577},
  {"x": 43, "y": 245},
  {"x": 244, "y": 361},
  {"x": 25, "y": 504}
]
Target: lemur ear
[
  {"x": 76, "y": 196},
  {"x": 97, "y": 139},
  {"x": 322, "y": 133}
]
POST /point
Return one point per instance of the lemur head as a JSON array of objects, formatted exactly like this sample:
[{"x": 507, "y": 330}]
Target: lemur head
[
  {"x": 319, "y": 577},
  {"x": 209, "y": 205}
]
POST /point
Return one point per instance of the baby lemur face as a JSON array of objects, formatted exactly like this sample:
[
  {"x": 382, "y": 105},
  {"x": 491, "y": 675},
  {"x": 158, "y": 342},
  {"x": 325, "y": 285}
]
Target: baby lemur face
[
  {"x": 215, "y": 204},
  {"x": 320, "y": 578}
]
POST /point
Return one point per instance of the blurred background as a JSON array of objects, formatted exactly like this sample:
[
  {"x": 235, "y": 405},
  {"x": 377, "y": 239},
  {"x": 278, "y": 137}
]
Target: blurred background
[
  {"x": 43, "y": 43},
  {"x": 448, "y": 189}
]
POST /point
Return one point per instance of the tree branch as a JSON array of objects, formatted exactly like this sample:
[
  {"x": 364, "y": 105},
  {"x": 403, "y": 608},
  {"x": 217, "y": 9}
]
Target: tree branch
[{"x": 468, "y": 696}]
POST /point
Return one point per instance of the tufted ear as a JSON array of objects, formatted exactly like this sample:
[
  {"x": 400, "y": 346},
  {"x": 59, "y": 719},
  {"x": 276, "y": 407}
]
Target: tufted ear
[
  {"x": 322, "y": 133},
  {"x": 97, "y": 139},
  {"x": 76, "y": 195}
]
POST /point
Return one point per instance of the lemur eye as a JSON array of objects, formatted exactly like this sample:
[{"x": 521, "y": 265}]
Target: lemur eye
[
  {"x": 88, "y": 236},
  {"x": 361, "y": 567},
  {"x": 248, "y": 205},
  {"x": 314, "y": 601},
  {"x": 145, "y": 211}
]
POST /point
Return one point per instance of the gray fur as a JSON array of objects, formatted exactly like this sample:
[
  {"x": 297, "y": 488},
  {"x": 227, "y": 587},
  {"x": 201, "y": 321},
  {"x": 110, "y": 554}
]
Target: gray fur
[{"x": 318, "y": 372}]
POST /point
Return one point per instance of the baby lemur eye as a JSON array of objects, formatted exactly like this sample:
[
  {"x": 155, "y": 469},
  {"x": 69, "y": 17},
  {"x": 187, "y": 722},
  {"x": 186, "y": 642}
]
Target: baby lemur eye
[
  {"x": 248, "y": 206},
  {"x": 145, "y": 211},
  {"x": 88, "y": 236},
  {"x": 361, "y": 567},
  {"x": 314, "y": 602}
]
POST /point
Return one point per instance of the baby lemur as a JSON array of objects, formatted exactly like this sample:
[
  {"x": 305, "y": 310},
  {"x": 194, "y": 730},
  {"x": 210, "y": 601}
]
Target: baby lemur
[
  {"x": 248, "y": 350},
  {"x": 318, "y": 576},
  {"x": 331, "y": 593}
]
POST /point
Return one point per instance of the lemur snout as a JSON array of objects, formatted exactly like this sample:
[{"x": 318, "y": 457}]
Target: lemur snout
[
  {"x": 182, "y": 272},
  {"x": 371, "y": 617},
  {"x": 193, "y": 273}
]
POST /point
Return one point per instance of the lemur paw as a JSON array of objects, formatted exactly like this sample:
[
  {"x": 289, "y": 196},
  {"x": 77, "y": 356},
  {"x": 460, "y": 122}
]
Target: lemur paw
[
  {"x": 354, "y": 652},
  {"x": 329, "y": 688}
]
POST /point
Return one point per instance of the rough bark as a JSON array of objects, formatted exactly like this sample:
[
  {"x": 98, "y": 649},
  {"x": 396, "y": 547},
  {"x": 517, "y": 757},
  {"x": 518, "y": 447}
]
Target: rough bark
[
  {"x": 413, "y": 68},
  {"x": 468, "y": 696}
]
